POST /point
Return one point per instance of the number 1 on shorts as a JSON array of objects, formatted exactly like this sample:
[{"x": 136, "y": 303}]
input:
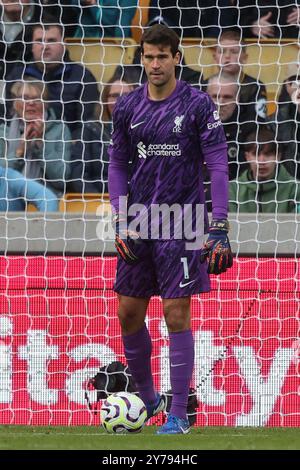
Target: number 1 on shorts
[{"x": 185, "y": 267}]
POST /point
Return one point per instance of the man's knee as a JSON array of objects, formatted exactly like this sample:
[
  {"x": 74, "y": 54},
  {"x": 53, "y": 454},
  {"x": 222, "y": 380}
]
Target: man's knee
[
  {"x": 177, "y": 314},
  {"x": 131, "y": 313}
]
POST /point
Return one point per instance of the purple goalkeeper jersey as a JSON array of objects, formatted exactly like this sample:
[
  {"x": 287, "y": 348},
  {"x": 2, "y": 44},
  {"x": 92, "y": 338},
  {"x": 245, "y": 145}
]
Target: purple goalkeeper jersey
[{"x": 159, "y": 149}]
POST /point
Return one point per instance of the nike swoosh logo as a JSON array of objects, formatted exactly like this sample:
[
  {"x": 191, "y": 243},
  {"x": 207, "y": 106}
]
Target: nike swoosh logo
[
  {"x": 184, "y": 284},
  {"x": 132, "y": 126},
  {"x": 177, "y": 365}
]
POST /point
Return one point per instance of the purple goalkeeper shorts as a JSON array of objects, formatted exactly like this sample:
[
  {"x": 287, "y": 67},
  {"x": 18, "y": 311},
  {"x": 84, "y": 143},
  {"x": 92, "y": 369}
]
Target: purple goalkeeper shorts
[{"x": 166, "y": 268}]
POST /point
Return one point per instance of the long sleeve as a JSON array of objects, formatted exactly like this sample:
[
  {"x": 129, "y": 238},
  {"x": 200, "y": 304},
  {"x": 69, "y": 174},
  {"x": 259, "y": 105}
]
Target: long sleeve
[
  {"x": 118, "y": 158},
  {"x": 217, "y": 165},
  {"x": 44, "y": 199},
  {"x": 214, "y": 149},
  {"x": 20, "y": 188},
  {"x": 117, "y": 179}
]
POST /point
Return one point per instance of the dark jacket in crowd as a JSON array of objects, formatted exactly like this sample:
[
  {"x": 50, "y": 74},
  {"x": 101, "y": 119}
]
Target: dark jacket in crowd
[
  {"x": 89, "y": 173},
  {"x": 285, "y": 123},
  {"x": 236, "y": 132},
  {"x": 252, "y": 92},
  {"x": 280, "y": 9},
  {"x": 252, "y": 98},
  {"x": 195, "y": 18},
  {"x": 17, "y": 52},
  {"x": 66, "y": 14},
  {"x": 73, "y": 91}
]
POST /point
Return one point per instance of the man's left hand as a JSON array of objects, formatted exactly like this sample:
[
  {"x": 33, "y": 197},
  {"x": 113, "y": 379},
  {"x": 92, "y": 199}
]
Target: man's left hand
[
  {"x": 126, "y": 241},
  {"x": 217, "y": 248}
]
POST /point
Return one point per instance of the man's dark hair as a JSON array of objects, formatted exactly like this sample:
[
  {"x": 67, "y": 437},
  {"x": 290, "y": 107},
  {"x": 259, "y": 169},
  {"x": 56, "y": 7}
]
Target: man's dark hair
[
  {"x": 160, "y": 35},
  {"x": 262, "y": 140},
  {"x": 48, "y": 21}
]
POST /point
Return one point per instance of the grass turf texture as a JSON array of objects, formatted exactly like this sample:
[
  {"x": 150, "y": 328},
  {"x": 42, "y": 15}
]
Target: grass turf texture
[{"x": 94, "y": 438}]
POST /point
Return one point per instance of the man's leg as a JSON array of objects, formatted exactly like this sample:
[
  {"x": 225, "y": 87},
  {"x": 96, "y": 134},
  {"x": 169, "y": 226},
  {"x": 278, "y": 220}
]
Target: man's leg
[
  {"x": 179, "y": 276},
  {"x": 137, "y": 345},
  {"x": 181, "y": 352}
]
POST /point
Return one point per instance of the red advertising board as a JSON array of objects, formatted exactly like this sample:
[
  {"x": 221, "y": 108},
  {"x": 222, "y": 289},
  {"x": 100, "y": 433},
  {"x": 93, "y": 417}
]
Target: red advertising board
[{"x": 58, "y": 325}]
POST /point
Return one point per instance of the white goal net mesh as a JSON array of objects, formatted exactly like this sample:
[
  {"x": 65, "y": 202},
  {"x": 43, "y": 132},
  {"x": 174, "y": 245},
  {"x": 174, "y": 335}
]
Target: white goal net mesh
[{"x": 63, "y": 66}]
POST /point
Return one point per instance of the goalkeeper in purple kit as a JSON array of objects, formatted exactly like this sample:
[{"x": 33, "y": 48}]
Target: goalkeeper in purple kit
[{"x": 164, "y": 133}]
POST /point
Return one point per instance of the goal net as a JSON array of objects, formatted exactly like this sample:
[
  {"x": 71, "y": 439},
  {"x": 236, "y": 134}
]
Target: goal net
[{"x": 58, "y": 322}]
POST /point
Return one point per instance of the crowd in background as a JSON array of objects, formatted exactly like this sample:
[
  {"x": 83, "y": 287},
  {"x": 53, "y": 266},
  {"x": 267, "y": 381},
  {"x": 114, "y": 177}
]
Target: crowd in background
[{"x": 55, "y": 119}]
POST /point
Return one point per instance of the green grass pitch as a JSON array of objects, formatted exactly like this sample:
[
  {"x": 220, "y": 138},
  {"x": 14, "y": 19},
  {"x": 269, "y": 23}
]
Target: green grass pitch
[{"x": 94, "y": 438}]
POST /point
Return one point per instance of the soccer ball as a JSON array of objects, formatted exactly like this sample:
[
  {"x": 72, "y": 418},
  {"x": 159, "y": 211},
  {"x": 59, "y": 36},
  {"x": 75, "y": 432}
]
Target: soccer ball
[{"x": 122, "y": 413}]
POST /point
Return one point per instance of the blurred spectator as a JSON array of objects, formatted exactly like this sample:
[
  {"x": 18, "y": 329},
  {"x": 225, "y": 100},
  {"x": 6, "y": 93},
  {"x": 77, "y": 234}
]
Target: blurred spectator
[
  {"x": 134, "y": 73},
  {"x": 112, "y": 90},
  {"x": 89, "y": 155},
  {"x": 17, "y": 18},
  {"x": 73, "y": 90},
  {"x": 16, "y": 192},
  {"x": 224, "y": 91},
  {"x": 195, "y": 18},
  {"x": 285, "y": 122},
  {"x": 33, "y": 141},
  {"x": 99, "y": 18},
  {"x": 230, "y": 55},
  {"x": 64, "y": 12},
  {"x": 269, "y": 18},
  {"x": 266, "y": 186}
]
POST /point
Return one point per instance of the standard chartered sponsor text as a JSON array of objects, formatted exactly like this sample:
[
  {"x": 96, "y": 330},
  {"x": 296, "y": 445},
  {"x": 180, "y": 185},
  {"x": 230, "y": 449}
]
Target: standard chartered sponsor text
[{"x": 160, "y": 150}]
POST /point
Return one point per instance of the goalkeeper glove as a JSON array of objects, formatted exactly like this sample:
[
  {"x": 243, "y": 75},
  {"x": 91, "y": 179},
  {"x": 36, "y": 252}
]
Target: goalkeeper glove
[
  {"x": 125, "y": 241},
  {"x": 217, "y": 248}
]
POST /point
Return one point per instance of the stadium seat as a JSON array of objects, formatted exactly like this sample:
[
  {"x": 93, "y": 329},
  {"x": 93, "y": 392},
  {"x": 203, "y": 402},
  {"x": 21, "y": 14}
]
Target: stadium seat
[
  {"x": 271, "y": 103},
  {"x": 31, "y": 207},
  {"x": 270, "y": 61},
  {"x": 85, "y": 202},
  {"x": 101, "y": 58}
]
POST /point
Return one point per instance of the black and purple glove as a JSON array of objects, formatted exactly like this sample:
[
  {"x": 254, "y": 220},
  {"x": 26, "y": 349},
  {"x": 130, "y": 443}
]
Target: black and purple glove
[{"x": 217, "y": 248}]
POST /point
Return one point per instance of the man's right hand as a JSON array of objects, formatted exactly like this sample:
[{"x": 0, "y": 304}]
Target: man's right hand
[{"x": 125, "y": 240}]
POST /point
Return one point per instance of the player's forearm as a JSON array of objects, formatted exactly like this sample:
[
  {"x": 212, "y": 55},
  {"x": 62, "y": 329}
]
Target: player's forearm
[
  {"x": 117, "y": 183},
  {"x": 219, "y": 194},
  {"x": 217, "y": 165}
]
